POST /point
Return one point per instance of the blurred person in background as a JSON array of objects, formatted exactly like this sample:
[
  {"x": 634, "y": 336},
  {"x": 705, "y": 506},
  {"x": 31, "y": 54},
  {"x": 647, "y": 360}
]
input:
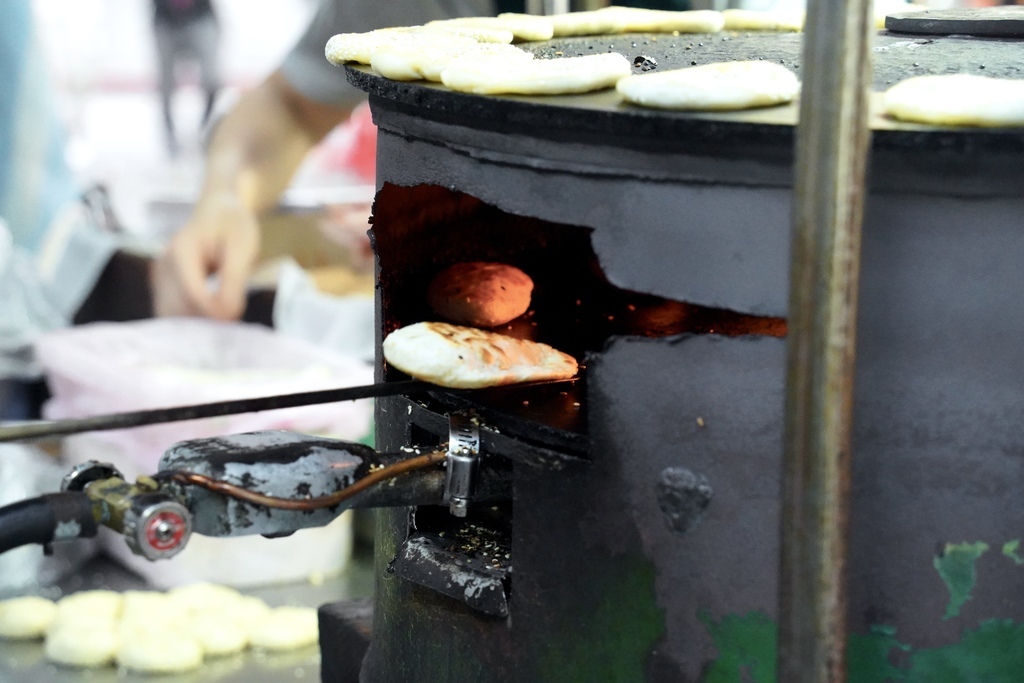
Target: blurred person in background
[
  {"x": 185, "y": 31},
  {"x": 255, "y": 149},
  {"x": 54, "y": 253}
]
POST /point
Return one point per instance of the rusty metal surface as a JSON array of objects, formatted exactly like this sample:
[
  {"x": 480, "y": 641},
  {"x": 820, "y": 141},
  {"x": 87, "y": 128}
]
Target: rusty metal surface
[{"x": 832, "y": 143}]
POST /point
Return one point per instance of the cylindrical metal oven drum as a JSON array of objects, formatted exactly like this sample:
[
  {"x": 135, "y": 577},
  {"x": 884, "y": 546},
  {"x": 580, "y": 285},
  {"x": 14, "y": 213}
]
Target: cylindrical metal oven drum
[{"x": 641, "y": 542}]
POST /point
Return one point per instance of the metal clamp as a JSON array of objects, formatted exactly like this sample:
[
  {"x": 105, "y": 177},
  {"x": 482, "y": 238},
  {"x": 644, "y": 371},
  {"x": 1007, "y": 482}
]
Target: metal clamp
[
  {"x": 85, "y": 473},
  {"x": 462, "y": 464}
]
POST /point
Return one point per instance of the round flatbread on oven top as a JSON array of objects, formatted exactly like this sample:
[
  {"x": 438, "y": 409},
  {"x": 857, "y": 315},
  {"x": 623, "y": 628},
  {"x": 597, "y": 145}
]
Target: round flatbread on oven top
[
  {"x": 345, "y": 48},
  {"x": 467, "y": 358},
  {"x": 523, "y": 26},
  {"x": 426, "y": 62},
  {"x": 585, "y": 23},
  {"x": 957, "y": 100},
  {"x": 642, "y": 20},
  {"x": 480, "y": 293},
  {"x": 480, "y": 34},
  {"x": 763, "y": 20},
  {"x": 713, "y": 87},
  {"x": 495, "y": 76}
]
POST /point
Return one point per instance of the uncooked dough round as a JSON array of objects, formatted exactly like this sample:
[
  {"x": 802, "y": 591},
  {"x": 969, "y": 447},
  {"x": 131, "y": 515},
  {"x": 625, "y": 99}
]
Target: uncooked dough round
[
  {"x": 155, "y": 651},
  {"x": 26, "y": 618},
  {"x": 248, "y": 612},
  {"x": 81, "y": 643},
  {"x": 218, "y": 633},
  {"x": 143, "y": 608},
  {"x": 202, "y": 597},
  {"x": 287, "y": 628},
  {"x": 98, "y": 604}
]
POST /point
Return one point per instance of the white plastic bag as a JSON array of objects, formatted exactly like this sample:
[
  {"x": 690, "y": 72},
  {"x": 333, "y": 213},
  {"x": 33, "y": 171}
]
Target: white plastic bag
[{"x": 116, "y": 367}]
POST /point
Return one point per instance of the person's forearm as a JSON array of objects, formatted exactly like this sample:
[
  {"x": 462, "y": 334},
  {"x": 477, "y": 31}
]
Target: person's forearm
[{"x": 256, "y": 149}]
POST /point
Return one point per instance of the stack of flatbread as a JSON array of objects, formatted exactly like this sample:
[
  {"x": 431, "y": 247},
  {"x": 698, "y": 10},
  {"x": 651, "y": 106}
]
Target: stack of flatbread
[
  {"x": 441, "y": 53},
  {"x": 478, "y": 54}
]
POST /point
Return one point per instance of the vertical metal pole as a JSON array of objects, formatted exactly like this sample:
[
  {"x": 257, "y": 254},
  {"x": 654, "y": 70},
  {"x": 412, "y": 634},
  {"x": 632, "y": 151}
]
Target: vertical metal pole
[{"x": 832, "y": 143}]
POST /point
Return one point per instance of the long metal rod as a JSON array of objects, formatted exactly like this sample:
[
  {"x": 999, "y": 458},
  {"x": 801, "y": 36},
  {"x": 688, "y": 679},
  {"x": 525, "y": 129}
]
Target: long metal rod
[
  {"x": 31, "y": 431},
  {"x": 832, "y": 143}
]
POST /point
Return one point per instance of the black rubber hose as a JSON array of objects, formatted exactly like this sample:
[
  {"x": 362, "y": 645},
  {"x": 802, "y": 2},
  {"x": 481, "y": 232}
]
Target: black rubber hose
[{"x": 48, "y": 518}]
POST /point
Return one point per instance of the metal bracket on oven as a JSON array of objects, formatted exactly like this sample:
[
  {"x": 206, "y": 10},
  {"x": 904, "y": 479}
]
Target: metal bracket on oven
[{"x": 463, "y": 462}]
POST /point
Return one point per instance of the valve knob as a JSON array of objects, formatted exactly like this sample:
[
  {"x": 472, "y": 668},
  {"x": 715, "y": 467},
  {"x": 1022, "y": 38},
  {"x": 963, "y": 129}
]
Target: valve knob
[{"x": 157, "y": 528}]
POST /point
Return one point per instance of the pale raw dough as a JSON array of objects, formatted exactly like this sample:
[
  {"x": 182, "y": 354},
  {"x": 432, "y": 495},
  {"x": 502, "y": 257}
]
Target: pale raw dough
[
  {"x": 763, "y": 20},
  {"x": 151, "y": 607},
  {"x": 218, "y": 633},
  {"x": 713, "y": 87},
  {"x": 203, "y": 597},
  {"x": 92, "y": 604},
  {"x": 957, "y": 100},
  {"x": 287, "y": 628},
  {"x": 82, "y": 643},
  {"x": 527, "y": 27},
  {"x": 412, "y": 63},
  {"x": 492, "y": 76},
  {"x": 159, "y": 651},
  {"x": 640, "y": 20},
  {"x": 151, "y": 631},
  {"x": 468, "y": 358},
  {"x": 26, "y": 618},
  {"x": 247, "y": 612}
]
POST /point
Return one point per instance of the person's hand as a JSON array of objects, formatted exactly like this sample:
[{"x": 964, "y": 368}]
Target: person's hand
[{"x": 206, "y": 266}]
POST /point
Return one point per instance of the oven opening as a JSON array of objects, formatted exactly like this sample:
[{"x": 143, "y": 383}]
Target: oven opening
[{"x": 421, "y": 230}]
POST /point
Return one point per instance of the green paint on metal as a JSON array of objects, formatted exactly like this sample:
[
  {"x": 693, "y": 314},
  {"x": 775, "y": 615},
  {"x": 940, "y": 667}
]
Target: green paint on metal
[
  {"x": 612, "y": 643},
  {"x": 956, "y": 567},
  {"x": 1010, "y": 550},
  {"x": 992, "y": 652},
  {"x": 867, "y": 656},
  {"x": 746, "y": 648},
  {"x": 747, "y": 651}
]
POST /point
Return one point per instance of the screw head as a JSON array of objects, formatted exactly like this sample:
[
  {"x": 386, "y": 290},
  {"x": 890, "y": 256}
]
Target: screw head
[{"x": 158, "y": 530}]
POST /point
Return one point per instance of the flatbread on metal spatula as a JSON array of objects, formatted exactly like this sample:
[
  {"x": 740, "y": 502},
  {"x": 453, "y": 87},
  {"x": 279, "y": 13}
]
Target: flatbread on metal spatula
[{"x": 460, "y": 357}]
